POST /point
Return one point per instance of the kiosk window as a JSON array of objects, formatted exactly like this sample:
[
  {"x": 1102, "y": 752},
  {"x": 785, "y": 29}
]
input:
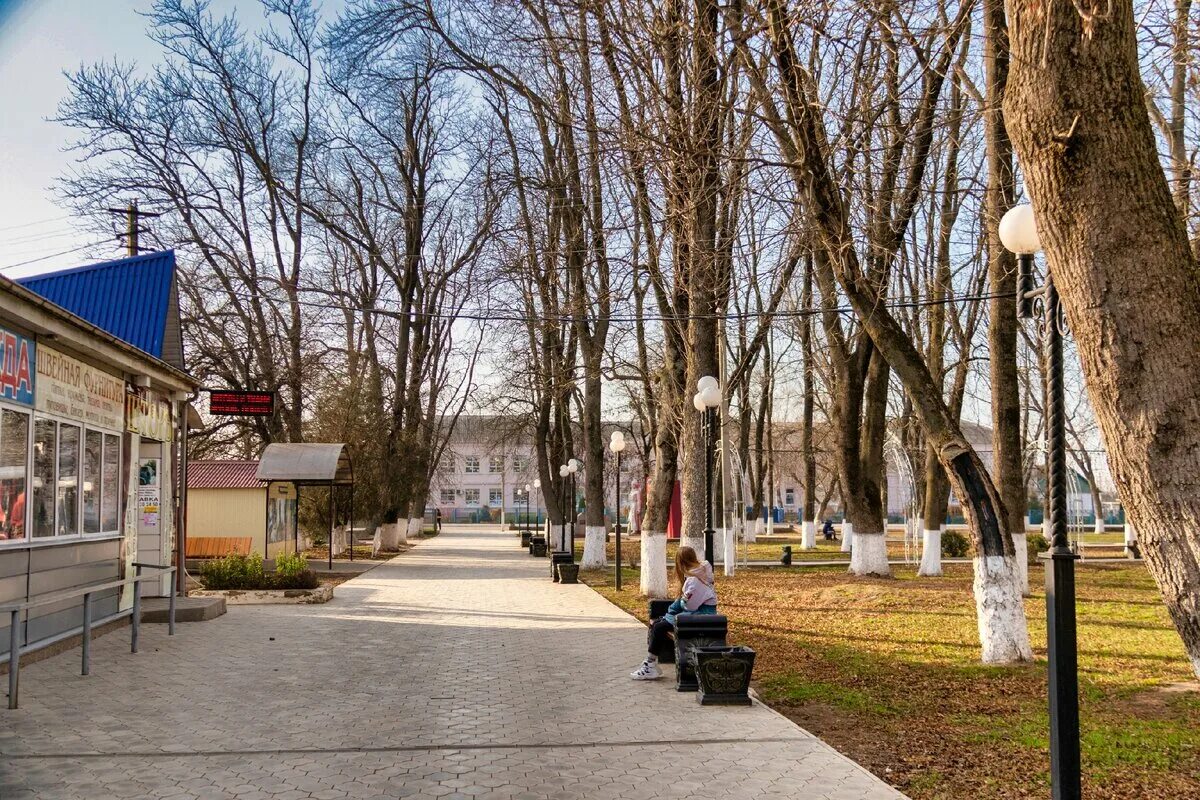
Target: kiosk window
[
  {"x": 45, "y": 447},
  {"x": 14, "y": 452},
  {"x": 68, "y": 480},
  {"x": 93, "y": 485},
  {"x": 111, "y": 496}
]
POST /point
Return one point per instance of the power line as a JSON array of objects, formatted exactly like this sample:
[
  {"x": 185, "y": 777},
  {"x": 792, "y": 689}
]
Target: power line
[
  {"x": 35, "y": 222},
  {"x": 488, "y": 316},
  {"x": 56, "y": 255}
]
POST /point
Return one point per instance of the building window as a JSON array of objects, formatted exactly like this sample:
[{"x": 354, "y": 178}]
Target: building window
[
  {"x": 471, "y": 496},
  {"x": 520, "y": 463},
  {"x": 45, "y": 445},
  {"x": 67, "y": 494},
  {"x": 495, "y": 498},
  {"x": 14, "y": 453},
  {"x": 93, "y": 454},
  {"x": 789, "y": 497},
  {"x": 472, "y": 466},
  {"x": 447, "y": 497},
  {"x": 110, "y": 503},
  {"x": 496, "y": 464}
]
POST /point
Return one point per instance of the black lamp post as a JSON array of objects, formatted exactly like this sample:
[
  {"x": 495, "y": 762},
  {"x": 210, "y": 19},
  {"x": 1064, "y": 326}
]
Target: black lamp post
[
  {"x": 528, "y": 489},
  {"x": 573, "y": 470},
  {"x": 537, "y": 517},
  {"x": 559, "y": 541},
  {"x": 1018, "y": 232},
  {"x": 617, "y": 443},
  {"x": 706, "y": 401}
]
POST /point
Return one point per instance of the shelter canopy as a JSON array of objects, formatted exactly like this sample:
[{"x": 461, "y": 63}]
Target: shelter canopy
[{"x": 306, "y": 463}]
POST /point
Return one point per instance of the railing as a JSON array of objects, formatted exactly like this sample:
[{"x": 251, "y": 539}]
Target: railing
[{"x": 135, "y": 613}]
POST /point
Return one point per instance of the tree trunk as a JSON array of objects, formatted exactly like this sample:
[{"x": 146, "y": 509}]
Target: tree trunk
[
  {"x": 1118, "y": 249},
  {"x": 1002, "y": 278}
]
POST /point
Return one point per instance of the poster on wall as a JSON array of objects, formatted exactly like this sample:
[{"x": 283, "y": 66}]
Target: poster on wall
[
  {"x": 17, "y": 360},
  {"x": 148, "y": 414},
  {"x": 148, "y": 496},
  {"x": 67, "y": 387}
]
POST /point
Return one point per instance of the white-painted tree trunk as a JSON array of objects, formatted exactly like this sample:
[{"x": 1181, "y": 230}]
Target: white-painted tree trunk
[
  {"x": 1003, "y": 633},
  {"x": 931, "y": 554},
  {"x": 654, "y": 565},
  {"x": 869, "y": 555},
  {"x": 730, "y": 552},
  {"x": 808, "y": 540},
  {"x": 562, "y": 538},
  {"x": 847, "y": 536},
  {"x": 1021, "y": 547},
  {"x": 594, "y": 556},
  {"x": 718, "y": 547},
  {"x": 1099, "y": 527},
  {"x": 1130, "y": 539},
  {"x": 389, "y": 536},
  {"x": 754, "y": 531},
  {"x": 694, "y": 542},
  {"x": 416, "y": 526}
]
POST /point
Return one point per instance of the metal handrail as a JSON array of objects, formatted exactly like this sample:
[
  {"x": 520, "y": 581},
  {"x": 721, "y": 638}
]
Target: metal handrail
[{"x": 135, "y": 613}]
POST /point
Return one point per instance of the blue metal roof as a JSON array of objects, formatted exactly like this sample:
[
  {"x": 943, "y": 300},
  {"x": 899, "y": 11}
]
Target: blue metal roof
[{"x": 131, "y": 298}]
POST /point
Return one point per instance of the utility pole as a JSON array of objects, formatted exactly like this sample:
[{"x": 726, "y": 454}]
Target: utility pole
[{"x": 132, "y": 226}]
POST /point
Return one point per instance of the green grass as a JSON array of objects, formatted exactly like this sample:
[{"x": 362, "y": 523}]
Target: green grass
[{"x": 888, "y": 671}]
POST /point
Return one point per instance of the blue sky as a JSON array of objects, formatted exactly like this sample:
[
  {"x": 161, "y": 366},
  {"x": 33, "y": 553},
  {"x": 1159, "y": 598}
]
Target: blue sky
[{"x": 39, "y": 40}]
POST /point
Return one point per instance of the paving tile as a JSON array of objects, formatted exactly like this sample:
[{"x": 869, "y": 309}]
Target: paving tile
[{"x": 455, "y": 670}]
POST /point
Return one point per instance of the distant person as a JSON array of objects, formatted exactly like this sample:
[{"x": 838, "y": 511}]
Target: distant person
[
  {"x": 697, "y": 595},
  {"x": 437, "y": 521},
  {"x": 828, "y": 530}
]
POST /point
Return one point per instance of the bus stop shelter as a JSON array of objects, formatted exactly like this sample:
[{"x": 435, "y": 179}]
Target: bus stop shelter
[{"x": 308, "y": 464}]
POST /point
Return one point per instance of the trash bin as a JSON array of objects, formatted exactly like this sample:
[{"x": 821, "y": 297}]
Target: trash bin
[
  {"x": 786, "y": 558},
  {"x": 724, "y": 675}
]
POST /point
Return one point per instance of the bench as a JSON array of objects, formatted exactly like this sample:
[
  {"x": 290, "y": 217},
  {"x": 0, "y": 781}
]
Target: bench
[
  {"x": 217, "y": 546},
  {"x": 691, "y": 631}
]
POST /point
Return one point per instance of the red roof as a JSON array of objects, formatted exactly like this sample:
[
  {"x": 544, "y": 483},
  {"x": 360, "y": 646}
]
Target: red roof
[{"x": 223, "y": 475}]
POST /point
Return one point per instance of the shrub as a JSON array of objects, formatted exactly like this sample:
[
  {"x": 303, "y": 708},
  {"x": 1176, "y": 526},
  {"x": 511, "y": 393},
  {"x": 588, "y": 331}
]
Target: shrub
[
  {"x": 954, "y": 544},
  {"x": 234, "y": 571},
  {"x": 290, "y": 565},
  {"x": 246, "y": 572},
  {"x": 1037, "y": 544},
  {"x": 306, "y": 579}
]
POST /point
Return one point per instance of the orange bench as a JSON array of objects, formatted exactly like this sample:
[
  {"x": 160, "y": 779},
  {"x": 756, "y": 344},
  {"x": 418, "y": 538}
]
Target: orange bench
[{"x": 217, "y": 546}]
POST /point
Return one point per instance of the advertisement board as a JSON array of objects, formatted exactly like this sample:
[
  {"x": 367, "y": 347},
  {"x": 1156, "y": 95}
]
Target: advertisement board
[
  {"x": 67, "y": 387},
  {"x": 148, "y": 414},
  {"x": 229, "y": 402},
  {"x": 17, "y": 360}
]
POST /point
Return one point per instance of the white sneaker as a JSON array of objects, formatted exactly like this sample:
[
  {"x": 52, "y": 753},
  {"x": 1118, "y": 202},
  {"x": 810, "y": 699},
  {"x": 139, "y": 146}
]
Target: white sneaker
[{"x": 646, "y": 672}]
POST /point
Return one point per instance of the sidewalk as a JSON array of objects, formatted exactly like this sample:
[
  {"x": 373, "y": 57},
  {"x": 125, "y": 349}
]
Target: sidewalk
[{"x": 456, "y": 670}]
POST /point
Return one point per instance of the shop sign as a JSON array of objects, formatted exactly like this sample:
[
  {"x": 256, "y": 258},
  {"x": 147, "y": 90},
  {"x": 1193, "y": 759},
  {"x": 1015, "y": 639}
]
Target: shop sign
[
  {"x": 148, "y": 414},
  {"x": 67, "y": 387},
  {"x": 229, "y": 402},
  {"x": 17, "y": 357}
]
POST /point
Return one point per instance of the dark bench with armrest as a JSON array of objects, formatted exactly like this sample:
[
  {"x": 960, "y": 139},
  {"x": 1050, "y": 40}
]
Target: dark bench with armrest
[{"x": 691, "y": 631}]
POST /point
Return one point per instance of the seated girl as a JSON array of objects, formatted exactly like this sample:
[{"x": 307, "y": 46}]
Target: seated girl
[{"x": 696, "y": 596}]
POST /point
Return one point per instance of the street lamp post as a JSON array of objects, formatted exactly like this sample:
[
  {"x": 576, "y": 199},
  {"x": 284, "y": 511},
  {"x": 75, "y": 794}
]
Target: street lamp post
[
  {"x": 573, "y": 469},
  {"x": 616, "y": 443},
  {"x": 528, "y": 489},
  {"x": 537, "y": 517},
  {"x": 1018, "y": 232},
  {"x": 706, "y": 401},
  {"x": 560, "y": 541}
]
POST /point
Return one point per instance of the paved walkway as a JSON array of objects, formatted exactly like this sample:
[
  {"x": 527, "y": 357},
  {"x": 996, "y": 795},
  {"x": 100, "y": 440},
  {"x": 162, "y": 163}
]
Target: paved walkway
[{"x": 456, "y": 670}]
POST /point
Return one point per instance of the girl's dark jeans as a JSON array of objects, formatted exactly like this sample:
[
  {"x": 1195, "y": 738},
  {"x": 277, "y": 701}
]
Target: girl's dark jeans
[{"x": 659, "y": 636}]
